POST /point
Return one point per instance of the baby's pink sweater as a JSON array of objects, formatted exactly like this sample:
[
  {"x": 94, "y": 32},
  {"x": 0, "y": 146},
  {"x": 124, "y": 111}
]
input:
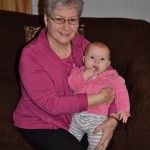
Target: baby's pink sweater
[{"x": 109, "y": 78}]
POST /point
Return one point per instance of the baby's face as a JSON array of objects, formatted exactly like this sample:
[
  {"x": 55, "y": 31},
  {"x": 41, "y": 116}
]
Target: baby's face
[{"x": 97, "y": 58}]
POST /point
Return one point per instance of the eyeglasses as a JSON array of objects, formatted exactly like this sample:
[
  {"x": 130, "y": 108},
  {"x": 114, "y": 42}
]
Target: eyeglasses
[{"x": 71, "y": 21}]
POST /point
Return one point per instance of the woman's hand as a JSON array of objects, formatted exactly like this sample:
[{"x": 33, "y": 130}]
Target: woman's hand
[
  {"x": 105, "y": 96},
  {"x": 108, "y": 128}
]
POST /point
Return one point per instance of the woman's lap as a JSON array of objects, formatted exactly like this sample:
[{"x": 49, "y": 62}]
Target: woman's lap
[{"x": 47, "y": 139}]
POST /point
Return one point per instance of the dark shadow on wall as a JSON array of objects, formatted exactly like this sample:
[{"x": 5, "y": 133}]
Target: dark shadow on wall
[{"x": 40, "y": 7}]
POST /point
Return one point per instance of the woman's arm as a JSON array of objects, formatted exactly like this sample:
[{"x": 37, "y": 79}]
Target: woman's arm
[{"x": 106, "y": 95}]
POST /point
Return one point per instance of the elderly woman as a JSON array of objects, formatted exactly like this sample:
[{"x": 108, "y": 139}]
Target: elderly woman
[{"x": 47, "y": 104}]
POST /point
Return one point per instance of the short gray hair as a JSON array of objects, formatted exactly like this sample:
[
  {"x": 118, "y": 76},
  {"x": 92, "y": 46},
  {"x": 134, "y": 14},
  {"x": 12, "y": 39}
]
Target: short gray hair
[{"x": 49, "y": 5}]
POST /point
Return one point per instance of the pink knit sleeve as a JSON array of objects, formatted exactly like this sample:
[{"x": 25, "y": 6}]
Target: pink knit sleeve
[
  {"x": 122, "y": 98},
  {"x": 112, "y": 108}
]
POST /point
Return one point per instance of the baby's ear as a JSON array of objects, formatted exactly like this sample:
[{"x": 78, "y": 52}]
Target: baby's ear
[
  {"x": 109, "y": 62},
  {"x": 83, "y": 58}
]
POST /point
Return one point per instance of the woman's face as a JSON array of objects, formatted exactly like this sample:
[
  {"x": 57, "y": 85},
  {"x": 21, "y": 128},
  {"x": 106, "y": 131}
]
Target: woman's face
[{"x": 61, "y": 33}]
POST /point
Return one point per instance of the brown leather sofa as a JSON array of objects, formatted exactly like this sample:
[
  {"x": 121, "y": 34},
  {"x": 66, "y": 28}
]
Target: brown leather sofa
[{"x": 129, "y": 41}]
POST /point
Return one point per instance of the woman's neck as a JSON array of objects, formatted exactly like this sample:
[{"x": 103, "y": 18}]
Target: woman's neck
[{"x": 62, "y": 50}]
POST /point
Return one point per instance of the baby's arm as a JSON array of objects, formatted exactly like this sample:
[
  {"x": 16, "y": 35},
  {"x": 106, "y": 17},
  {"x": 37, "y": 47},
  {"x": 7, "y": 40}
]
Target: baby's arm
[
  {"x": 121, "y": 98},
  {"x": 89, "y": 72}
]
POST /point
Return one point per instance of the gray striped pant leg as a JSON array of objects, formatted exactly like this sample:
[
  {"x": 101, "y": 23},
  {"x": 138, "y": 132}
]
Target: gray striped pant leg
[
  {"x": 86, "y": 123},
  {"x": 75, "y": 127},
  {"x": 94, "y": 139}
]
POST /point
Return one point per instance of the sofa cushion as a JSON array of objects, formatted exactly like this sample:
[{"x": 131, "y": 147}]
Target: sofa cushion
[
  {"x": 8, "y": 99},
  {"x": 10, "y": 139},
  {"x": 12, "y": 39},
  {"x": 31, "y": 32}
]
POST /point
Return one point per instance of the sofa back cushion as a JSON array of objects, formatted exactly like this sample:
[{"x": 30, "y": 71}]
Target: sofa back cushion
[{"x": 12, "y": 39}]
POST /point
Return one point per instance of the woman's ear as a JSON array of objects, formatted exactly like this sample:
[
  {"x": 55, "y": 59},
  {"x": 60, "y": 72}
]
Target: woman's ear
[{"x": 45, "y": 20}]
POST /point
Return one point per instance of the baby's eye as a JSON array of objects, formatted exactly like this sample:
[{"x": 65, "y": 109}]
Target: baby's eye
[
  {"x": 102, "y": 59},
  {"x": 92, "y": 57}
]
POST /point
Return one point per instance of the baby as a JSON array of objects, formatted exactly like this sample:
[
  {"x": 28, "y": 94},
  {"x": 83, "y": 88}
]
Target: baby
[{"x": 91, "y": 78}]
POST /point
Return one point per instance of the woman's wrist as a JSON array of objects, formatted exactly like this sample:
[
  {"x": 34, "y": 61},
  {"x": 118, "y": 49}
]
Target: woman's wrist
[
  {"x": 115, "y": 118},
  {"x": 93, "y": 100}
]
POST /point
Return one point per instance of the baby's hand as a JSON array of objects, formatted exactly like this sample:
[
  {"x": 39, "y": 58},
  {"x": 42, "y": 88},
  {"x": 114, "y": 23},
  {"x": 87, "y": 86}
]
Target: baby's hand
[
  {"x": 88, "y": 73},
  {"x": 122, "y": 116}
]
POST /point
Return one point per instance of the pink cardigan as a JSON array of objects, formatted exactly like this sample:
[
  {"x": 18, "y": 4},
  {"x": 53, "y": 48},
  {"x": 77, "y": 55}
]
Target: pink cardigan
[
  {"x": 109, "y": 78},
  {"x": 47, "y": 100}
]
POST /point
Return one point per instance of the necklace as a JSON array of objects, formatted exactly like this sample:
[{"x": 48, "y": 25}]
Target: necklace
[{"x": 62, "y": 51}]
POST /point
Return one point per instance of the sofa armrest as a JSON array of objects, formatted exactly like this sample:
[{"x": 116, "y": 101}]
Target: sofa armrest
[{"x": 138, "y": 125}]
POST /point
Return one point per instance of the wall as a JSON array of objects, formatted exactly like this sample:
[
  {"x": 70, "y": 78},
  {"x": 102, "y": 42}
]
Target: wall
[
  {"x": 34, "y": 6},
  {"x": 136, "y": 9}
]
